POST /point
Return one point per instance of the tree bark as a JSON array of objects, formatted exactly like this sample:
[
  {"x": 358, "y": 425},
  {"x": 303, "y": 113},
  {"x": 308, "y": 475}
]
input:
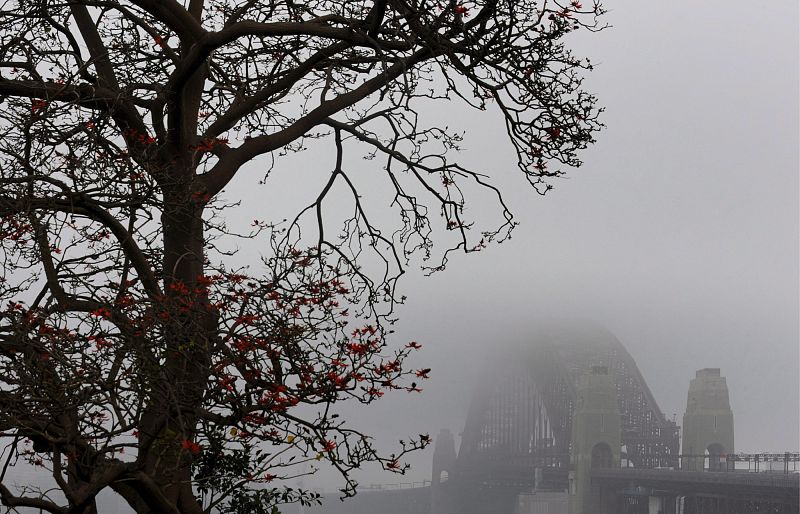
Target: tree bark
[{"x": 178, "y": 386}]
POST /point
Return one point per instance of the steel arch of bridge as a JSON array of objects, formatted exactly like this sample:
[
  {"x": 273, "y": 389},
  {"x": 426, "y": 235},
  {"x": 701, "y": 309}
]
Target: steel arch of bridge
[{"x": 519, "y": 425}]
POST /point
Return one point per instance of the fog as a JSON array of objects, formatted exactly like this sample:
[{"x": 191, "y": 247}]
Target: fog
[{"x": 679, "y": 234}]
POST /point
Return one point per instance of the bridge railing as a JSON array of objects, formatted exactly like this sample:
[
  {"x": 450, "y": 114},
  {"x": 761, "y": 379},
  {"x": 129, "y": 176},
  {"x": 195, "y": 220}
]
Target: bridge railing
[
  {"x": 786, "y": 462},
  {"x": 395, "y": 486}
]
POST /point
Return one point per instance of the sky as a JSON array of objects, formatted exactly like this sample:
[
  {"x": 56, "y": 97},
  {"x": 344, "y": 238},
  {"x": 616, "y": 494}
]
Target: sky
[{"x": 679, "y": 234}]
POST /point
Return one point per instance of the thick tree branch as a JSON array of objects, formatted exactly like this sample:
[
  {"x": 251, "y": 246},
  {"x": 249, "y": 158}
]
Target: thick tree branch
[
  {"x": 222, "y": 173},
  {"x": 174, "y": 16},
  {"x": 97, "y": 50},
  {"x": 8, "y": 499},
  {"x": 81, "y": 206}
]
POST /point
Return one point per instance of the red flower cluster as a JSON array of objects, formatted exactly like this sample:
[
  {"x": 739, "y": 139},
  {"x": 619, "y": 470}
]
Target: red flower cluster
[
  {"x": 38, "y": 105},
  {"x": 160, "y": 41},
  {"x": 206, "y": 145},
  {"x": 101, "y": 312},
  {"x": 340, "y": 381},
  {"x": 100, "y": 342},
  {"x": 247, "y": 319},
  {"x": 358, "y": 348},
  {"x": 134, "y": 135},
  {"x": 276, "y": 401},
  {"x": 16, "y": 229},
  {"x": 553, "y": 132},
  {"x": 423, "y": 373},
  {"x": 200, "y": 197},
  {"x": 192, "y": 446}
]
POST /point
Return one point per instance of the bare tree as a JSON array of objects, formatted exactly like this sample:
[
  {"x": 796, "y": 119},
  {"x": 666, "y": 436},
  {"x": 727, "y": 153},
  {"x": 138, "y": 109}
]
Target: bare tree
[{"x": 132, "y": 358}]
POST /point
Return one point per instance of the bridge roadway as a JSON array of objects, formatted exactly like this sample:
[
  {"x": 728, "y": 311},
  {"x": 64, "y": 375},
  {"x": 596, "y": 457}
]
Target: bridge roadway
[{"x": 742, "y": 484}]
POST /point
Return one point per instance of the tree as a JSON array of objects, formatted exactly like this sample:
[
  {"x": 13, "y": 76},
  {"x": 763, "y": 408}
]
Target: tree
[{"x": 132, "y": 357}]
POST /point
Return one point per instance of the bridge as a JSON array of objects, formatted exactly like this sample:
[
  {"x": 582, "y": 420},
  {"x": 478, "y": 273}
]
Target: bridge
[
  {"x": 564, "y": 423},
  {"x": 697, "y": 491},
  {"x": 569, "y": 411}
]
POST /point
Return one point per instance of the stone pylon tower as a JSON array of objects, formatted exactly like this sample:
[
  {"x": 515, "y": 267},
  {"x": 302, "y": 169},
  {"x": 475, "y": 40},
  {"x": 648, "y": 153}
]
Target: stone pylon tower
[
  {"x": 707, "y": 423},
  {"x": 444, "y": 463},
  {"x": 596, "y": 437}
]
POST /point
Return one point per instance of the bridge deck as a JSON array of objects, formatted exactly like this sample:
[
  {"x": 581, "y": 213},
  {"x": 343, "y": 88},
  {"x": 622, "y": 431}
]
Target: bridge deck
[{"x": 772, "y": 485}]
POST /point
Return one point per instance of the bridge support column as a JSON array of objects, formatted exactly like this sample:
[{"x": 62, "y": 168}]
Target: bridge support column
[
  {"x": 707, "y": 423},
  {"x": 596, "y": 440},
  {"x": 444, "y": 462}
]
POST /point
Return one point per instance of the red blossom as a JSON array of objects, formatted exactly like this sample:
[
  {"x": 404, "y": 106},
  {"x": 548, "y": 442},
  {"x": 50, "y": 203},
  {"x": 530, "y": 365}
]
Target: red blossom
[
  {"x": 200, "y": 196},
  {"x": 206, "y": 281},
  {"x": 100, "y": 342},
  {"x": 553, "y": 132},
  {"x": 423, "y": 373},
  {"x": 179, "y": 287},
  {"x": 237, "y": 278},
  {"x": 37, "y": 105},
  {"x": 247, "y": 319},
  {"x": 192, "y": 446},
  {"x": 357, "y": 348},
  {"x": 124, "y": 301},
  {"x": 255, "y": 419},
  {"x": 101, "y": 312},
  {"x": 206, "y": 145},
  {"x": 226, "y": 382},
  {"x": 339, "y": 380}
]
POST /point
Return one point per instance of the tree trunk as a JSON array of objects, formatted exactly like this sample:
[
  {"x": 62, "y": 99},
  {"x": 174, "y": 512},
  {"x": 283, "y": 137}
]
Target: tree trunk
[{"x": 178, "y": 387}]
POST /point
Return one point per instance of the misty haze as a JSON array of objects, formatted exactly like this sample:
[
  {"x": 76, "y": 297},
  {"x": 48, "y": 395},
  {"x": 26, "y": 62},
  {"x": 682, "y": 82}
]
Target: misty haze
[{"x": 632, "y": 346}]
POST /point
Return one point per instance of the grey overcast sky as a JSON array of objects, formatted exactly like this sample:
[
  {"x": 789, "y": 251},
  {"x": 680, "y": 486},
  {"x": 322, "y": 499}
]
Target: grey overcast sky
[{"x": 679, "y": 233}]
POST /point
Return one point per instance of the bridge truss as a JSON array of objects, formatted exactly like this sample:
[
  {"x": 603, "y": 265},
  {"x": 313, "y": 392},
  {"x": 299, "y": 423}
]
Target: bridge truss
[{"x": 518, "y": 431}]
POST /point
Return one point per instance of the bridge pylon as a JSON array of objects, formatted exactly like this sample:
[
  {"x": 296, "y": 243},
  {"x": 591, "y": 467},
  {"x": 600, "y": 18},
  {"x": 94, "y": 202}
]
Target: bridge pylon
[
  {"x": 707, "y": 423},
  {"x": 444, "y": 463},
  {"x": 596, "y": 438}
]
